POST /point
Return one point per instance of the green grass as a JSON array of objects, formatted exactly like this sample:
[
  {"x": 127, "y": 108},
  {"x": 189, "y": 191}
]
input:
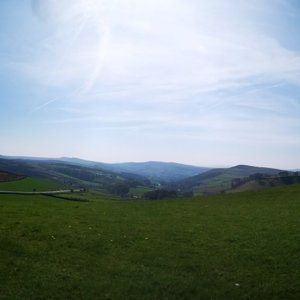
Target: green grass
[
  {"x": 238, "y": 246},
  {"x": 29, "y": 184}
]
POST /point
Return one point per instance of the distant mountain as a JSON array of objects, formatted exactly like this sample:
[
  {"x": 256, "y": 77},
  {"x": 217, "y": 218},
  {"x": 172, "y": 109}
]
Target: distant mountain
[
  {"x": 219, "y": 180},
  {"x": 154, "y": 170}
]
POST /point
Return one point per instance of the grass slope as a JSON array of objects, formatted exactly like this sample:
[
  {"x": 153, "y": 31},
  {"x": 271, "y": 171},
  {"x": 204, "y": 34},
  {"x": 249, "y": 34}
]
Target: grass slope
[
  {"x": 218, "y": 180},
  {"x": 5, "y": 176},
  {"x": 75, "y": 175},
  {"x": 29, "y": 184},
  {"x": 239, "y": 246}
]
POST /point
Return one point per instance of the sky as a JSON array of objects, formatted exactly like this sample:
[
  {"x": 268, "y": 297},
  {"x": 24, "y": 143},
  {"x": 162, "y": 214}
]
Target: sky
[{"x": 208, "y": 83}]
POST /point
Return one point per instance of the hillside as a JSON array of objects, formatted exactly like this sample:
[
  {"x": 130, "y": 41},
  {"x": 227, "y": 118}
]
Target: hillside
[
  {"x": 260, "y": 181},
  {"x": 140, "y": 180},
  {"x": 160, "y": 171},
  {"x": 153, "y": 170},
  {"x": 7, "y": 176},
  {"x": 233, "y": 246},
  {"x": 75, "y": 175},
  {"x": 156, "y": 171},
  {"x": 30, "y": 184},
  {"x": 219, "y": 180}
]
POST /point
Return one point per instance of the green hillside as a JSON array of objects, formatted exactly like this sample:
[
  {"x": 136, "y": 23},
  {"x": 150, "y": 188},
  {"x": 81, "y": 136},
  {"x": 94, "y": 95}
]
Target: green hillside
[
  {"x": 260, "y": 181},
  {"x": 219, "y": 180},
  {"x": 6, "y": 176},
  {"x": 237, "y": 246},
  {"x": 29, "y": 184},
  {"x": 156, "y": 171},
  {"x": 75, "y": 175}
]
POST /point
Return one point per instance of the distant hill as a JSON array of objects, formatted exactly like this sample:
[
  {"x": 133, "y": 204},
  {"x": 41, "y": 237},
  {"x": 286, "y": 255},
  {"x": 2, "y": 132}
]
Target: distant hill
[
  {"x": 161, "y": 171},
  {"x": 130, "y": 178},
  {"x": 218, "y": 180},
  {"x": 154, "y": 170},
  {"x": 26, "y": 157},
  {"x": 76, "y": 175}
]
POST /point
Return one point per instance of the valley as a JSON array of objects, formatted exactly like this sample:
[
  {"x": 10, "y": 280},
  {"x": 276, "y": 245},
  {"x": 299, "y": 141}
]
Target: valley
[
  {"x": 152, "y": 180},
  {"x": 89, "y": 241}
]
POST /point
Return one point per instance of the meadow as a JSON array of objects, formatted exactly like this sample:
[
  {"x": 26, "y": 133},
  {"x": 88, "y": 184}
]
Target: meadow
[
  {"x": 31, "y": 184},
  {"x": 232, "y": 246}
]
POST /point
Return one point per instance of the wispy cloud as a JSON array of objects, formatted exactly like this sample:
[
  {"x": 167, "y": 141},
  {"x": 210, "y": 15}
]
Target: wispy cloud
[
  {"x": 45, "y": 104},
  {"x": 145, "y": 44},
  {"x": 210, "y": 70}
]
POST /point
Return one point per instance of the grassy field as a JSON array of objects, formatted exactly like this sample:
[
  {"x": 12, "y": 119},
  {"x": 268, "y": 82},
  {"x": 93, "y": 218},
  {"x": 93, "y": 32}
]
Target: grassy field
[
  {"x": 238, "y": 246},
  {"x": 29, "y": 184}
]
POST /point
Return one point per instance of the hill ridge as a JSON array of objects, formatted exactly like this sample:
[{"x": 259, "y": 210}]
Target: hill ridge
[{"x": 220, "y": 179}]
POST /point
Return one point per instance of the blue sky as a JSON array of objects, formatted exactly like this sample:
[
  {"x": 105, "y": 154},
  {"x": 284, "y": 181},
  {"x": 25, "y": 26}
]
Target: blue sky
[{"x": 209, "y": 83}]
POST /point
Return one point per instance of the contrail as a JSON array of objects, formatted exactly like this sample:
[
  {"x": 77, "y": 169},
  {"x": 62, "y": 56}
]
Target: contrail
[
  {"x": 39, "y": 107},
  {"x": 266, "y": 88}
]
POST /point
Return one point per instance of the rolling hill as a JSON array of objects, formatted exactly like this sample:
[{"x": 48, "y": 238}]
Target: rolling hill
[
  {"x": 74, "y": 175},
  {"x": 259, "y": 181},
  {"x": 136, "y": 179},
  {"x": 219, "y": 180},
  {"x": 156, "y": 171},
  {"x": 7, "y": 176}
]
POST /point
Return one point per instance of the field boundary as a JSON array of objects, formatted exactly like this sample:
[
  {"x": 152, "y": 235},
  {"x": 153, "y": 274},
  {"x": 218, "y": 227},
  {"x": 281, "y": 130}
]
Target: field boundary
[{"x": 43, "y": 193}]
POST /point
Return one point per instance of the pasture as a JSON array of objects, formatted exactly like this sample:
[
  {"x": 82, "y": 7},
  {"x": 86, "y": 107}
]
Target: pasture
[
  {"x": 30, "y": 184},
  {"x": 232, "y": 246}
]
